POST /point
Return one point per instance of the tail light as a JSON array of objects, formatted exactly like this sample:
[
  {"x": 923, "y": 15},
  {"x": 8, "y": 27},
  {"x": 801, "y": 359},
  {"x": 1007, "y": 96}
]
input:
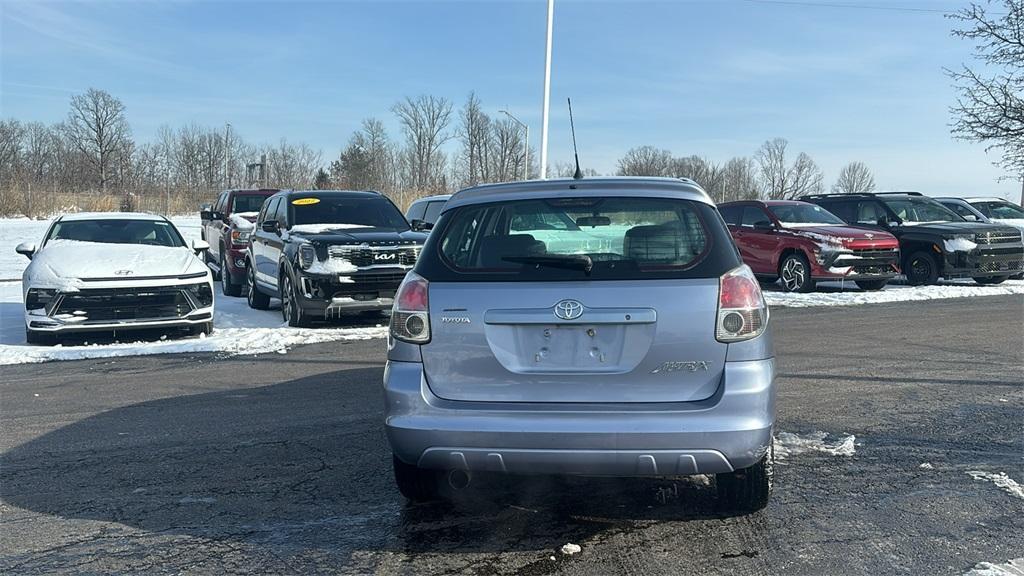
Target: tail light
[
  {"x": 742, "y": 312},
  {"x": 410, "y": 317}
]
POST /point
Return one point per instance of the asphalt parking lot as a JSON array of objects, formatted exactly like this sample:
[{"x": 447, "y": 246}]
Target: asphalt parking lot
[{"x": 278, "y": 464}]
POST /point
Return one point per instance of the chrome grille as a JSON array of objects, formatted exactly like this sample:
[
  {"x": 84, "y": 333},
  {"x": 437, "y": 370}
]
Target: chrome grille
[
  {"x": 997, "y": 238},
  {"x": 363, "y": 256}
]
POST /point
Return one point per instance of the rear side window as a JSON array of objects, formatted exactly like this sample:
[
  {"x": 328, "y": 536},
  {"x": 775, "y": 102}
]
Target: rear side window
[
  {"x": 433, "y": 210},
  {"x": 582, "y": 238},
  {"x": 731, "y": 214},
  {"x": 415, "y": 211},
  {"x": 752, "y": 215},
  {"x": 846, "y": 211}
]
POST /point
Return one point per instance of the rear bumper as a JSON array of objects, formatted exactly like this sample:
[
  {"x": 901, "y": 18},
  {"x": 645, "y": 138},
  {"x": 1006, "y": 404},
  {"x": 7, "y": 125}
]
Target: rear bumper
[{"x": 729, "y": 431}]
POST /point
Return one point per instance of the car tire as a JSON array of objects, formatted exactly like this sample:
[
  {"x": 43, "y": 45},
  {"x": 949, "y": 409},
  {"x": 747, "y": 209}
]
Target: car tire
[
  {"x": 257, "y": 300},
  {"x": 990, "y": 280},
  {"x": 872, "y": 285},
  {"x": 795, "y": 272},
  {"x": 921, "y": 269},
  {"x": 291, "y": 310},
  {"x": 227, "y": 286},
  {"x": 749, "y": 489},
  {"x": 37, "y": 338},
  {"x": 415, "y": 483},
  {"x": 204, "y": 328}
]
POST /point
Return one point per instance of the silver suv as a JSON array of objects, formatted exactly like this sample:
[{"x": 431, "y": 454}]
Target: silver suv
[{"x": 600, "y": 327}]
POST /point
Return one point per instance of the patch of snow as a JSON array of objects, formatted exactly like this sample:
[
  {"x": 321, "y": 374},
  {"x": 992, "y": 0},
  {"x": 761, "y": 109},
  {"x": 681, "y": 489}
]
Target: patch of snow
[
  {"x": 788, "y": 444},
  {"x": 333, "y": 266},
  {"x": 319, "y": 228},
  {"x": 807, "y": 224},
  {"x": 570, "y": 549},
  {"x": 240, "y": 220},
  {"x": 1014, "y": 567},
  {"x": 1009, "y": 485},
  {"x": 839, "y": 294},
  {"x": 926, "y": 465},
  {"x": 959, "y": 245}
]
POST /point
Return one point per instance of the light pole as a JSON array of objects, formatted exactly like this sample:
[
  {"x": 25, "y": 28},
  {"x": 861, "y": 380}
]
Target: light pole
[
  {"x": 547, "y": 94},
  {"x": 227, "y": 155},
  {"x": 526, "y": 143}
]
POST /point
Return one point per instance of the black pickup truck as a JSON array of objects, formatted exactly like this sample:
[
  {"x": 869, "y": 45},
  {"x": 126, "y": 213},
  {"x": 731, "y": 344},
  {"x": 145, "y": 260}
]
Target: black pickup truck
[
  {"x": 935, "y": 242},
  {"x": 325, "y": 252}
]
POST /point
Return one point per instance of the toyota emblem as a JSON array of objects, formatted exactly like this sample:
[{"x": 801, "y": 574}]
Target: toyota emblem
[{"x": 568, "y": 310}]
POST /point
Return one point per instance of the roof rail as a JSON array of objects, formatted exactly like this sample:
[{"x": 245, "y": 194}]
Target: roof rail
[
  {"x": 905, "y": 193},
  {"x": 834, "y": 195}
]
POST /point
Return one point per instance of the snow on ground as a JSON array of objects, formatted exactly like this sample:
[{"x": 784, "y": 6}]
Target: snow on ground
[
  {"x": 1001, "y": 480},
  {"x": 788, "y": 444},
  {"x": 237, "y": 330},
  {"x": 836, "y": 294},
  {"x": 1014, "y": 567}
]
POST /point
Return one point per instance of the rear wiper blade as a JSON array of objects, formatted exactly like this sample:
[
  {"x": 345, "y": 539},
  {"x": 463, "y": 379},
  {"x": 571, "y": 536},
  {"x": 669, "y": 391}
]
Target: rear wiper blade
[{"x": 567, "y": 261}]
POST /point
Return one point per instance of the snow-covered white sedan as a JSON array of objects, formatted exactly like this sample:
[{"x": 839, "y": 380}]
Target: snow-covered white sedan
[{"x": 114, "y": 272}]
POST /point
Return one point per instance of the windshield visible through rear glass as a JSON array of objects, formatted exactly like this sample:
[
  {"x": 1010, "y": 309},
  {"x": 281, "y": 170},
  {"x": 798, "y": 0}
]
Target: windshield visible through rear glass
[
  {"x": 600, "y": 238},
  {"x": 247, "y": 203},
  {"x": 1000, "y": 210},
  {"x": 796, "y": 215},
  {"x": 916, "y": 209},
  {"x": 367, "y": 212},
  {"x": 118, "y": 231}
]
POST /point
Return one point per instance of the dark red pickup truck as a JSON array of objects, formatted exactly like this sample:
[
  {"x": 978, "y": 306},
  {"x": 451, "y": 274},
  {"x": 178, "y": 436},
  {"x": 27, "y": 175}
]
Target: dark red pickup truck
[{"x": 227, "y": 226}]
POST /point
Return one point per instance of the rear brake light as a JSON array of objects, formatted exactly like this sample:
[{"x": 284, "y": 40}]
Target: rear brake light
[
  {"x": 410, "y": 317},
  {"x": 742, "y": 312}
]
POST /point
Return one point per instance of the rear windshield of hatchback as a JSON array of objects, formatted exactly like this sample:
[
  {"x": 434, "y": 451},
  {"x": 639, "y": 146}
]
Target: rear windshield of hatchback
[{"x": 576, "y": 238}]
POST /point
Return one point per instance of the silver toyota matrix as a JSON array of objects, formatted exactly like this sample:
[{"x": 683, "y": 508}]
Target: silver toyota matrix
[{"x": 599, "y": 327}]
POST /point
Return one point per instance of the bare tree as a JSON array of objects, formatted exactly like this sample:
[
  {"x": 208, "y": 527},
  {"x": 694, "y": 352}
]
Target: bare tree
[
  {"x": 11, "y": 136},
  {"x": 645, "y": 161},
  {"x": 474, "y": 132},
  {"x": 425, "y": 122},
  {"x": 97, "y": 127},
  {"x": 292, "y": 165},
  {"x": 854, "y": 178},
  {"x": 783, "y": 182},
  {"x": 990, "y": 105},
  {"x": 739, "y": 180},
  {"x": 702, "y": 171}
]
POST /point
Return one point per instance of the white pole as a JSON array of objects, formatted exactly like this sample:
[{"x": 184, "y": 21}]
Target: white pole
[
  {"x": 547, "y": 95},
  {"x": 526, "y": 153}
]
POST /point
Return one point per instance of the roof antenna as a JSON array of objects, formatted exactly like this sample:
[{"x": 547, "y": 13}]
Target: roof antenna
[{"x": 578, "y": 175}]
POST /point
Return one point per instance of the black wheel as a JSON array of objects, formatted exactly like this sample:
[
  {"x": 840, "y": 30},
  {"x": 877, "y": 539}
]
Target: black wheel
[
  {"x": 415, "y": 483},
  {"x": 227, "y": 286},
  {"x": 872, "y": 285},
  {"x": 291, "y": 310},
  {"x": 747, "y": 490},
  {"x": 38, "y": 338},
  {"x": 795, "y": 272},
  {"x": 257, "y": 300},
  {"x": 990, "y": 279},
  {"x": 921, "y": 268},
  {"x": 204, "y": 328}
]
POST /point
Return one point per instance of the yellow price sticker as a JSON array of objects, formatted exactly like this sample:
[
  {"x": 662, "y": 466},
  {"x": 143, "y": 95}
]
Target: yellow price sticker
[{"x": 305, "y": 201}]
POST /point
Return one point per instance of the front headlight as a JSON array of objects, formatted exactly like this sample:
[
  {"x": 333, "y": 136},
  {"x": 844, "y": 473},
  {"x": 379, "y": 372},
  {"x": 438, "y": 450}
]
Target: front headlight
[
  {"x": 240, "y": 236},
  {"x": 40, "y": 298},
  {"x": 307, "y": 255}
]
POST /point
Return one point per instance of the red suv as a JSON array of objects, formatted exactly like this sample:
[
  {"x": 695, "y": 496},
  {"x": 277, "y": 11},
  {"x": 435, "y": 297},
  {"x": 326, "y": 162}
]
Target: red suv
[{"x": 802, "y": 243}]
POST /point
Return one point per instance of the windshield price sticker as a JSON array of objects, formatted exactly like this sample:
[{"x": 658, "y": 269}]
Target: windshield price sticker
[{"x": 305, "y": 201}]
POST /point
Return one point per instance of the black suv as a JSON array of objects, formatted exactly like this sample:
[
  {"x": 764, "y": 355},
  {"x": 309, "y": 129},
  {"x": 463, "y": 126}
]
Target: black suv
[
  {"x": 934, "y": 241},
  {"x": 324, "y": 252}
]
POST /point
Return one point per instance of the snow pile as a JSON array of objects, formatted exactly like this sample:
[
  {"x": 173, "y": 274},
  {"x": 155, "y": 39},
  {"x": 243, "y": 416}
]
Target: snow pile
[
  {"x": 1001, "y": 480},
  {"x": 320, "y": 228},
  {"x": 959, "y": 245},
  {"x": 926, "y": 466},
  {"x": 788, "y": 444},
  {"x": 241, "y": 220},
  {"x": 333, "y": 265},
  {"x": 570, "y": 549},
  {"x": 1014, "y": 567},
  {"x": 830, "y": 294}
]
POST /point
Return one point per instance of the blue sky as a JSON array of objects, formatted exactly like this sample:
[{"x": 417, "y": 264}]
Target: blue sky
[{"x": 714, "y": 77}]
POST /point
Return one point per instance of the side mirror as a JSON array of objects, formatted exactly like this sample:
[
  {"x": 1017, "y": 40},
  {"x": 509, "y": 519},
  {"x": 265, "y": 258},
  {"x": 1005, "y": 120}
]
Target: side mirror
[
  {"x": 271, "y": 226},
  {"x": 971, "y": 218},
  {"x": 205, "y": 215},
  {"x": 200, "y": 246},
  {"x": 883, "y": 222},
  {"x": 764, "y": 226},
  {"x": 26, "y": 249},
  {"x": 421, "y": 225}
]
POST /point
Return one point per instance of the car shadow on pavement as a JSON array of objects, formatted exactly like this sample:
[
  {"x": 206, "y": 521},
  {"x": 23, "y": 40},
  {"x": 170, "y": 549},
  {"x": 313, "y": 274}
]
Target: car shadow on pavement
[{"x": 305, "y": 463}]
